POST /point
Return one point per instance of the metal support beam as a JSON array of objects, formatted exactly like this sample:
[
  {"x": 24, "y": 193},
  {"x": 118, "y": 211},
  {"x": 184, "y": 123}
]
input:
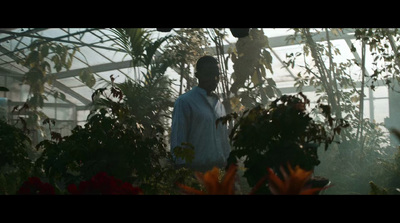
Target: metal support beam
[
  {"x": 291, "y": 90},
  {"x": 59, "y": 39},
  {"x": 280, "y": 41},
  {"x": 95, "y": 69},
  {"x": 19, "y": 34},
  {"x": 273, "y": 43},
  {"x": 71, "y": 92},
  {"x": 57, "y": 84},
  {"x": 59, "y": 105}
]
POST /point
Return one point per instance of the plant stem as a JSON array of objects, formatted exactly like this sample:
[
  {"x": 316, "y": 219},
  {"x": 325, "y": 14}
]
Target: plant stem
[
  {"x": 331, "y": 71},
  {"x": 362, "y": 94},
  {"x": 181, "y": 80},
  {"x": 326, "y": 81}
]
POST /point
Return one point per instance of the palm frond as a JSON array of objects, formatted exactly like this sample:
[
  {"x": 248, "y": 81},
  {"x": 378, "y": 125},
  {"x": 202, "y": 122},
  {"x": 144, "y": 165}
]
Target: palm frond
[
  {"x": 133, "y": 41},
  {"x": 151, "y": 50}
]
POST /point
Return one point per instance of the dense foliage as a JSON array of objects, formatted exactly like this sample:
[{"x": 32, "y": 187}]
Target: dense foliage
[
  {"x": 266, "y": 137},
  {"x": 365, "y": 151},
  {"x": 283, "y": 133},
  {"x": 16, "y": 157},
  {"x": 137, "y": 158}
]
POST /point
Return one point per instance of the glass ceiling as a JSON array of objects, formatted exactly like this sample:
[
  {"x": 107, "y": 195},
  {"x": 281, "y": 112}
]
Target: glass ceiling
[{"x": 99, "y": 53}]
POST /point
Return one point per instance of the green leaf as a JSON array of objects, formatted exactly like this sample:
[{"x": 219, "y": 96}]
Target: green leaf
[
  {"x": 69, "y": 63},
  {"x": 271, "y": 82},
  {"x": 44, "y": 50},
  {"x": 59, "y": 49},
  {"x": 31, "y": 59},
  {"x": 268, "y": 60},
  {"x": 56, "y": 59},
  {"x": 353, "y": 49},
  {"x": 269, "y": 91},
  {"x": 62, "y": 96},
  {"x": 36, "y": 101},
  {"x": 254, "y": 79},
  {"x": 87, "y": 78},
  {"x": 46, "y": 66},
  {"x": 185, "y": 152}
]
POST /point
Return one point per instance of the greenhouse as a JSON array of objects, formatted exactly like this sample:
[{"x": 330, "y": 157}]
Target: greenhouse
[{"x": 306, "y": 110}]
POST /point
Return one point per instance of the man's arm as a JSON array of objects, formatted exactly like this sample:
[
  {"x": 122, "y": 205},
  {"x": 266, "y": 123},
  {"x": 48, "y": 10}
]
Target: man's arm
[{"x": 180, "y": 126}]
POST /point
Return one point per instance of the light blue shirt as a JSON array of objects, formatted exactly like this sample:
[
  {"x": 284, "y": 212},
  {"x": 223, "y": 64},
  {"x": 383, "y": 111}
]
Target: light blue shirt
[{"x": 193, "y": 121}]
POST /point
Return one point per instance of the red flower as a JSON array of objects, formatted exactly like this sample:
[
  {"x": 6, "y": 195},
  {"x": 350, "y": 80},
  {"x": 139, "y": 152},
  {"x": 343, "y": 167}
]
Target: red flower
[
  {"x": 104, "y": 184},
  {"x": 35, "y": 186}
]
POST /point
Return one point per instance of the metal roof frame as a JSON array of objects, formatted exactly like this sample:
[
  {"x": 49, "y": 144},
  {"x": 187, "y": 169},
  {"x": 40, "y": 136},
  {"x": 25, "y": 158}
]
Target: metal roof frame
[{"x": 75, "y": 37}]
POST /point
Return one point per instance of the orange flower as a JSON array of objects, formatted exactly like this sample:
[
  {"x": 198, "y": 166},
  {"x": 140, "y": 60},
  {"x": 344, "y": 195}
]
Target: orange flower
[
  {"x": 292, "y": 183},
  {"x": 212, "y": 184}
]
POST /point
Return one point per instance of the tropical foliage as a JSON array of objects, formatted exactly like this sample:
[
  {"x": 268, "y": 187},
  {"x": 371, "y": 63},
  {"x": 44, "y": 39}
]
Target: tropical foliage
[
  {"x": 365, "y": 144},
  {"x": 251, "y": 60},
  {"x": 42, "y": 57},
  {"x": 17, "y": 157},
  {"x": 282, "y": 133},
  {"x": 279, "y": 139},
  {"x": 137, "y": 158}
]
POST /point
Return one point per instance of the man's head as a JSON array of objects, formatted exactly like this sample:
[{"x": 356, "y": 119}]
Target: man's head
[{"x": 207, "y": 71}]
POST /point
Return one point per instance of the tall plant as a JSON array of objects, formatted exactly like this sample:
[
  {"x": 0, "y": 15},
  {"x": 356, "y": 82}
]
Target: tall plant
[
  {"x": 383, "y": 46},
  {"x": 185, "y": 48},
  {"x": 132, "y": 41},
  {"x": 218, "y": 38},
  {"x": 332, "y": 80},
  {"x": 17, "y": 157},
  {"x": 42, "y": 57},
  {"x": 138, "y": 158},
  {"x": 251, "y": 60},
  {"x": 364, "y": 143},
  {"x": 149, "y": 98}
]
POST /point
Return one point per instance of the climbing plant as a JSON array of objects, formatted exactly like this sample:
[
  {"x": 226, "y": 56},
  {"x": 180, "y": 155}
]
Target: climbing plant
[{"x": 42, "y": 57}]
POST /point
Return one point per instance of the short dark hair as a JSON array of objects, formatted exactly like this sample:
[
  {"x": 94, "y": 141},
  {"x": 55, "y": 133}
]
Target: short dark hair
[{"x": 204, "y": 62}]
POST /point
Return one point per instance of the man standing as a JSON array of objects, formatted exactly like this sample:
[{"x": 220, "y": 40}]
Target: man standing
[{"x": 194, "y": 120}]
